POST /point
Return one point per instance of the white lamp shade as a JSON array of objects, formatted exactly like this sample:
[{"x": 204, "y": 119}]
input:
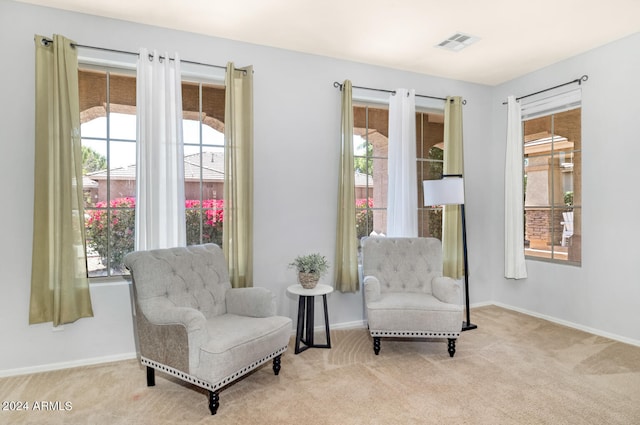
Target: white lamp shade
[{"x": 446, "y": 191}]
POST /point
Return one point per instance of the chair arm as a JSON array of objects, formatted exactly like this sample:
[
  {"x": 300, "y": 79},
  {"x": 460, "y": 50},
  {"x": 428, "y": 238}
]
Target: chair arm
[
  {"x": 170, "y": 335},
  {"x": 253, "y": 302},
  {"x": 371, "y": 288},
  {"x": 161, "y": 311},
  {"x": 446, "y": 289}
]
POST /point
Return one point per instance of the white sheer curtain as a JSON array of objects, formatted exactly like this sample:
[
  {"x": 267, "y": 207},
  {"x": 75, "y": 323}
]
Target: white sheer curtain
[
  {"x": 160, "y": 216},
  {"x": 402, "y": 202},
  {"x": 514, "y": 263}
]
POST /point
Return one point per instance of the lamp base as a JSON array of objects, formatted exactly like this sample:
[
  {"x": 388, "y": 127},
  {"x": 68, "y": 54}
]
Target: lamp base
[{"x": 468, "y": 326}]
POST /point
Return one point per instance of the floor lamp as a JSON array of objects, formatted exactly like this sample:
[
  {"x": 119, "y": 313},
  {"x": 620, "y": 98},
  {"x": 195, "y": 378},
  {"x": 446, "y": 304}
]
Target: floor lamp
[{"x": 450, "y": 191}]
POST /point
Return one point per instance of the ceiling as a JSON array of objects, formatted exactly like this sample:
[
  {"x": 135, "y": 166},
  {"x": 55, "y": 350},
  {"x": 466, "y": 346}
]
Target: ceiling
[{"x": 515, "y": 36}]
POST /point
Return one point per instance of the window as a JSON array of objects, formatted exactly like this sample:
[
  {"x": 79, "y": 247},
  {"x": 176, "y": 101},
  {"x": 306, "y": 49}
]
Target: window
[
  {"x": 108, "y": 131},
  {"x": 552, "y": 184},
  {"x": 370, "y": 141},
  {"x": 203, "y": 105}
]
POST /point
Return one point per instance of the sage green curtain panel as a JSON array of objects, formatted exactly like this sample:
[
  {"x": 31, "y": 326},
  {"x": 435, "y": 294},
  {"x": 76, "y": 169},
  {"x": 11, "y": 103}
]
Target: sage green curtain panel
[
  {"x": 237, "y": 233},
  {"x": 453, "y": 260},
  {"x": 346, "y": 262},
  {"x": 59, "y": 284}
]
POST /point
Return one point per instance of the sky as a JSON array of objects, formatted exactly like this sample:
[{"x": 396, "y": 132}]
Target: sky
[{"x": 123, "y": 126}]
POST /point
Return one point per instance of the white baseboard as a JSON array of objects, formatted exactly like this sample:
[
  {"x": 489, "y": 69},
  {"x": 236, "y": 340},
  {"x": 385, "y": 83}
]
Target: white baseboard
[
  {"x": 587, "y": 329},
  {"x": 66, "y": 365},
  {"x": 482, "y": 304},
  {"x": 358, "y": 324}
]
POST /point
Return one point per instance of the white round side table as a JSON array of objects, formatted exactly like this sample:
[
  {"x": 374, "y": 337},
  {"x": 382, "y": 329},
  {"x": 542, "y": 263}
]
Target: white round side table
[{"x": 304, "y": 330}]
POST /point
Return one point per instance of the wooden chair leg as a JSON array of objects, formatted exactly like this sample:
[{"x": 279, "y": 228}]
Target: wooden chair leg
[
  {"x": 376, "y": 345},
  {"x": 451, "y": 347},
  {"x": 276, "y": 365},
  {"x": 214, "y": 401},
  {"x": 151, "y": 376}
]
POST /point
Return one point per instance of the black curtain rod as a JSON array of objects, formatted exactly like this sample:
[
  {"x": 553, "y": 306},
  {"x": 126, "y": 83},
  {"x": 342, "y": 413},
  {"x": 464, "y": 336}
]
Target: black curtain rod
[
  {"x": 577, "y": 80},
  {"x": 339, "y": 86},
  {"x": 104, "y": 49}
]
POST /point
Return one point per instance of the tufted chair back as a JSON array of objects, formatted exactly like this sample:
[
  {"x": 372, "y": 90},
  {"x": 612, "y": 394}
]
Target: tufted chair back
[
  {"x": 402, "y": 264},
  {"x": 194, "y": 276}
]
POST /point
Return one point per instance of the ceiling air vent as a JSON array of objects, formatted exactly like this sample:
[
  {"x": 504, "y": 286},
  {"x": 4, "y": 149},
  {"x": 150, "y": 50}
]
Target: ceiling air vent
[{"x": 457, "y": 42}]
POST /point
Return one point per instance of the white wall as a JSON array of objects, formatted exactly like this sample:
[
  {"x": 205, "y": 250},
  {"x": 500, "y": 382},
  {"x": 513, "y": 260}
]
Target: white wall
[
  {"x": 297, "y": 121},
  {"x": 603, "y": 294}
]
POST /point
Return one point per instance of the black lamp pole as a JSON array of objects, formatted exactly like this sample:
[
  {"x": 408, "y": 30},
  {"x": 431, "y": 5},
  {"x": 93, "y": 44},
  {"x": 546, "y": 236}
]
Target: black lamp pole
[{"x": 467, "y": 325}]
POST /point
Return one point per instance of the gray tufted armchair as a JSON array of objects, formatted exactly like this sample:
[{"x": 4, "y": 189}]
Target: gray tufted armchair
[
  {"x": 192, "y": 325},
  {"x": 405, "y": 292}
]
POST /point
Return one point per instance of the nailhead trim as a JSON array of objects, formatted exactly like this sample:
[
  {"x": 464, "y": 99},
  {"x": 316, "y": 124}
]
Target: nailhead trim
[
  {"x": 204, "y": 384},
  {"x": 415, "y": 334}
]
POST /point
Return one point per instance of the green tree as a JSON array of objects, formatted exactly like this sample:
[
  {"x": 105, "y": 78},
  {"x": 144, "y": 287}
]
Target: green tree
[
  {"x": 364, "y": 164},
  {"x": 436, "y": 155},
  {"x": 92, "y": 160},
  {"x": 568, "y": 198}
]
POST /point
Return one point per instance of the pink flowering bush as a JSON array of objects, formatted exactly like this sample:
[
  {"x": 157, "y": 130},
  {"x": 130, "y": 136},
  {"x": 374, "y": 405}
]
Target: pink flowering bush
[
  {"x": 112, "y": 235},
  {"x": 212, "y": 221},
  {"x": 364, "y": 217},
  {"x": 111, "y": 232}
]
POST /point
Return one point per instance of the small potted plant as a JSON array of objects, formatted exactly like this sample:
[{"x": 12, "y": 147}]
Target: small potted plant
[{"x": 310, "y": 269}]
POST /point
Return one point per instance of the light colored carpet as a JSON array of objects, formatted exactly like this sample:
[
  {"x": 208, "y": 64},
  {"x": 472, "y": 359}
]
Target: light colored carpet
[{"x": 513, "y": 369}]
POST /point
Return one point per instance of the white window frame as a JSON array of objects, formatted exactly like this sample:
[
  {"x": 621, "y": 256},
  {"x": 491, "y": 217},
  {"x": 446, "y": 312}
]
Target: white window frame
[
  {"x": 367, "y": 98},
  {"x": 122, "y": 64},
  {"x": 544, "y": 105}
]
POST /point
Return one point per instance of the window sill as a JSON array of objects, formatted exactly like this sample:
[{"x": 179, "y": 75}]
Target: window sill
[
  {"x": 109, "y": 281},
  {"x": 553, "y": 261}
]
